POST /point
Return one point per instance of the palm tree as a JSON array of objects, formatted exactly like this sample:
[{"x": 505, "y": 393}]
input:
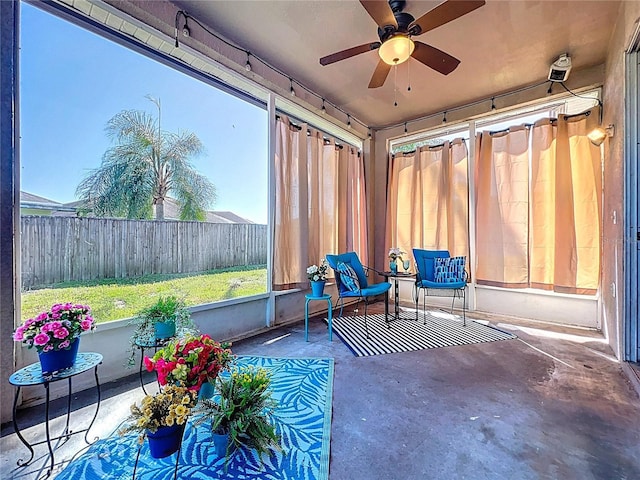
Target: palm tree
[{"x": 144, "y": 165}]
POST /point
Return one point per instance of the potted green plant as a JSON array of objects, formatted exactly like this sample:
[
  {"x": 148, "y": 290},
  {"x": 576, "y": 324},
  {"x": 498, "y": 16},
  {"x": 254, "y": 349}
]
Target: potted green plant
[
  {"x": 240, "y": 412},
  {"x": 159, "y": 322}
]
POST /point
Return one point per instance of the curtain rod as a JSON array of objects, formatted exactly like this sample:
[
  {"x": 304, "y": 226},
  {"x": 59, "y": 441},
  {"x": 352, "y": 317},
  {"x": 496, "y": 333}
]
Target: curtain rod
[
  {"x": 444, "y": 113},
  {"x": 440, "y": 145},
  {"x": 325, "y": 139},
  {"x": 495, "y": 132},
  {"x": 586, "y": 114}
]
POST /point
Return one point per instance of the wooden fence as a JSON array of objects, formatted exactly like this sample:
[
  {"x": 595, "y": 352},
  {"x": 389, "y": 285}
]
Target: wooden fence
[{"x": 60, "y": 249}]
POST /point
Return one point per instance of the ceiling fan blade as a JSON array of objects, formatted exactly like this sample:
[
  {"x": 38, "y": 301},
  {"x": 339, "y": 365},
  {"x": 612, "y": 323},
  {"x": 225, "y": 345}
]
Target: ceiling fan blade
[
  {"x": 434, "y": 58},
  {"x": 444, "y": 13},
  {"x": 349, "y": 52},
  {"x": 381, "y": 12},
  {"x": 379, "y": 75}
]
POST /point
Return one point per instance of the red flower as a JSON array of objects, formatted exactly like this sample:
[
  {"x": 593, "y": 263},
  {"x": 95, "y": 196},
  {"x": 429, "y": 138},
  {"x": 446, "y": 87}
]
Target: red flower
[
  {"x": 190, "y": 361},
  {"x": 148, "y": 364}
]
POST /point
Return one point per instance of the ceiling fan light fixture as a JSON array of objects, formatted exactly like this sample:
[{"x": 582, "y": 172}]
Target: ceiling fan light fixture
[{"x": 396, "y": 50}]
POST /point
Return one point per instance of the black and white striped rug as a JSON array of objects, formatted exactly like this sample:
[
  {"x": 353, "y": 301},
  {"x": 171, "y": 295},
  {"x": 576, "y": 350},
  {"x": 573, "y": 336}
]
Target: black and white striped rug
[{"x": 440, "y": 330}]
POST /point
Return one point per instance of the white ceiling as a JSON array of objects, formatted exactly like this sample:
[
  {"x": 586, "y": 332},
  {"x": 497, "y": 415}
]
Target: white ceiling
[{"x": 502, "y": 46}]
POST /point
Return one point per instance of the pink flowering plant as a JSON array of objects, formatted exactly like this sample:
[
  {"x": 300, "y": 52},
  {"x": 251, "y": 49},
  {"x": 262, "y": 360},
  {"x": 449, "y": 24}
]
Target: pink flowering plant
[{"x": 57, "y": 328}]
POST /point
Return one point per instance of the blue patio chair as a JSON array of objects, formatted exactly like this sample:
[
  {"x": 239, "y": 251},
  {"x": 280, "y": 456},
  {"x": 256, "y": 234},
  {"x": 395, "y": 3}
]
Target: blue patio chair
[
  {"x": 351, "y": 281},
  {"x": 438, "y": 274}
]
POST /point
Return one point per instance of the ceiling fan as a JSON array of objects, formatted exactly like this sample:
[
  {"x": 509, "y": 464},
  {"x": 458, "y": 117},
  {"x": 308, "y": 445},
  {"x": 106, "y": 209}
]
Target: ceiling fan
[{"x": 396, "y": 29}]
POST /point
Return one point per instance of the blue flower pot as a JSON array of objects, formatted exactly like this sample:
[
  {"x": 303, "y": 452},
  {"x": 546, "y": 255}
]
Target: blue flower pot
[
  {"x": 57, "y": 360},
  {"x": 165, "y": 441},
  {"x": 206, "y": 390},
  {"x": 317, "y": 288},
  {"x": 220, "y": 443},
  {"x": 164, "y": 330}
]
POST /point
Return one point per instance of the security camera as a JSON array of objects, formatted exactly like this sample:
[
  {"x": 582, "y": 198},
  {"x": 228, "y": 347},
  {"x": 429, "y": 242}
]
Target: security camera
[{"x": 559, "y": 71}]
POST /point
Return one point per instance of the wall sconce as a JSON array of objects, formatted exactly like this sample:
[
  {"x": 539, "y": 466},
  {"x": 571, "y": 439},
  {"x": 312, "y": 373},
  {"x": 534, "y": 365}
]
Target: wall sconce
[{"x": 598, "y": 134}]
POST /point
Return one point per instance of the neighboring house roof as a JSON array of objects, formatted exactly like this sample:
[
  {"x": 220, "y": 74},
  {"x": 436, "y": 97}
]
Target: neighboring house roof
[
  {"x": 171, "y": 212},
  {"x": 75, "y": 204},
  {"x": 29, "y": 200},
  {"x": 231, "y": 217}
]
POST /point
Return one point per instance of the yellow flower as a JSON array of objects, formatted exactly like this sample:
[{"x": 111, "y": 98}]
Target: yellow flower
[
  {"x": 170, "y": 420},
  {"x": 181, "y": 410}
]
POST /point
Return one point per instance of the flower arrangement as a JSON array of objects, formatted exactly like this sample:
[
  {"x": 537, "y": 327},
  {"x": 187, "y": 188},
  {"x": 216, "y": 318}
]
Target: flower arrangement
[
  {"x": 242, "y": 410},
  {"x": 171, "y": 406},
  {"x": 190, "y": 361},
  {"x": 395, "y": 253},
  {"x": 317, "y": 273},
  {"x": 57, "y": 328}
]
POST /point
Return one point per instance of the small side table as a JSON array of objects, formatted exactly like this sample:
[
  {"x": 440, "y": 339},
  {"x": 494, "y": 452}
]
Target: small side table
[
  {"x": 145, "y": 343},
  {"x": 31, "y": 375},
  {"x": 310, "y": 297}
]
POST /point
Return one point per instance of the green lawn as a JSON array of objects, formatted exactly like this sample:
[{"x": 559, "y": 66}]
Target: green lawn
[{"x": 116, "y": 298}]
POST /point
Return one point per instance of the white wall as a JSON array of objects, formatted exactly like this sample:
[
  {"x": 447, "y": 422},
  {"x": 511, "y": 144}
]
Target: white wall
[
  {"x": 574, "y": 310},
  {"x": 223, "y": 321}
]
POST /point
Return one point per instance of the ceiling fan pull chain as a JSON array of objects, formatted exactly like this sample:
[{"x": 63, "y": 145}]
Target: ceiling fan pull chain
[
  {"x": 408, "y": 76},
  {"x": 395, "y": 85}
]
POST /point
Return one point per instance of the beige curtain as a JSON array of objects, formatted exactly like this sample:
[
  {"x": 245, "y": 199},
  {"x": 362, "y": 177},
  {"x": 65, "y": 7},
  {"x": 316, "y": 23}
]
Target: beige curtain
[
  {"x": 355, "y": 202},
  {"x": 566, "y": 205},
  {"x": 502, "y": 208},
  {"x": 320, "y": 202},
  {"x": 428, "y": 198},
  {"x": 291, "y": 212}
]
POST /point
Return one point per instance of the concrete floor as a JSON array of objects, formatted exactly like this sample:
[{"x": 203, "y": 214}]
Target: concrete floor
[{"x": 552, "y": 404}]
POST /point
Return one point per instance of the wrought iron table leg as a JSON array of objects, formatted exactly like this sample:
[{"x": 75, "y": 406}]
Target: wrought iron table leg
[
  {"x": 386, "y": 307},
  {"x": 396, "y": 305},
  {"x": 175, "y": 472},
  {"x": 20, "y": 461},
  {"x": 46, "y": 423},
  {"x": 95, "y": 415},
  {"x": 66, "y": 427},
  {"x": 135, "y": 465}
]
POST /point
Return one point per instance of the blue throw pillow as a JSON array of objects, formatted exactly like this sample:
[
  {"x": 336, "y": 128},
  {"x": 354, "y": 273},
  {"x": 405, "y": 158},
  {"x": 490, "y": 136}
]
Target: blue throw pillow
[
  {"x": 348, "y": 276},
  {"x": 449, "y": 269}
]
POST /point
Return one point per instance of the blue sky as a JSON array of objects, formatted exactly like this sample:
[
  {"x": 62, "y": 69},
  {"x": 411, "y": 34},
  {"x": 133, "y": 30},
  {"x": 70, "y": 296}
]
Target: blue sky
[{"x": 73, "y": 82}]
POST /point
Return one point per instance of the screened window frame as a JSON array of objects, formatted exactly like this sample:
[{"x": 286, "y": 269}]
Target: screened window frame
[
  {"x": 94, "y": 19},
  {"x": 565, "y": 104}
]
